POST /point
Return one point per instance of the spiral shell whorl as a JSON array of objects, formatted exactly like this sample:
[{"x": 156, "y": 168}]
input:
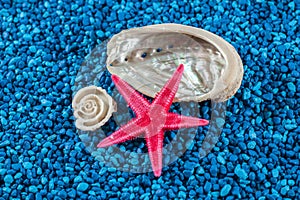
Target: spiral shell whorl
[{"x": 92, "y": 108}]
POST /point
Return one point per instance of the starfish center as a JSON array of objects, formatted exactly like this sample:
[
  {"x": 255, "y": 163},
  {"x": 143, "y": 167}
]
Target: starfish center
[
  {"x": 152, "y": 118},
  {"x": 158, "y": 118}
]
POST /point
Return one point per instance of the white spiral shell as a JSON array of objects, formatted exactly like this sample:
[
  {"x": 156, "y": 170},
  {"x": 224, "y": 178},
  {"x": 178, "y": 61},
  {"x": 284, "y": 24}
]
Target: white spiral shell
[{"x": 92, "y": 108}]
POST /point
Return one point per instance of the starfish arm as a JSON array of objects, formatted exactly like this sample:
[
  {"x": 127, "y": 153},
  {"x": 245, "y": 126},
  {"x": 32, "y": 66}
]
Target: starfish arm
[
  {"x": 166, "y": 95},
  {"x": 137, "y": 102},
  {"x": 127, "y": 132},
  {"x": 175, "y": 121},
  {"x": 155, "y": 147}
]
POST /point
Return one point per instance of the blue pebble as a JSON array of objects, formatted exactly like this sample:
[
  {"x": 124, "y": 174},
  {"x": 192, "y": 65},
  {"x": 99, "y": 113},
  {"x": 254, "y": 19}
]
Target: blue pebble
[
  {"x": 225, "y": 190},
  {"x": 246, "y": 94},
  {"x": 275, "y": 172},
  {"x": 18, "y": 175},
  {"x": 48, "y": 122},
  {"x": 155, "y": 186},
  {"x": 8, "y": 179},
  {"x": 22, "y": 126},
  {"x": 46, "y": 103},
  {"x": 82, "y": 187},
  {"x": 284, "y": 190},
  {"x": 60, "y": 85},
  {"x": 27, "y": 37},
  {"x": 261, "y": 176},
  {"x": 72, "y": 193},
  {"x": 33, "y": 189},
  {"x": 32, "y": 49},
  {"x": 213, "y": 170},
  {"x": 291, "y": 182},
  {"x": 233, "y": 158},
  {"x": 221, "y": 159},
  {"x": 277, "y": 120},
  {"x": 291, "y": 87},
  {"x": 207, "y": 187},
  {"x": 254, "y": 51},
  {"x": 240, "y": 172},
  {"x": 284, "y": 69},
  {"x": 291, "y": 193},
  {"x": 182, "y": 195},
  {"x": 3, "y": 121},
  {"x": 62, "y": 194},
  {"x": 27, "y": 165},
  {"x": 4, "y": 143},
  {"x": 251, "y": 145},
  {"x": 290, "y": 126},
  {"x": 189, "y": 165},
  {"x": 268, "y": 96}
]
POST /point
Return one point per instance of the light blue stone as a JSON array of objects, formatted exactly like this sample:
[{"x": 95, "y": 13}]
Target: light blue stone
[
  {"x": 3, "y": 121},
  {"x": 2, "y": 171},
  {"x": 290, "y": 126},
  {"x": 257, "y": 86},
  {"x": 240, "y": 172},
  {"x": 264, "y": 170},
  {"x": 8, "y": 179},
  {"x": 32, "y": 49},
  {"x": 215, "y": 194},
  {"x": 267, "y": 184},
  {"x": 44, "y": 180},
  {"x": 155, "y": 186},
  {"x": 36, "y": 30},
  {"x": 46, "y": 103},
  {"x": 22, "y": 126},
  {"x": 291, "y": 182},
  {"x": 27, "y": 37},
  {"x": 221, "y": 159},
  {"x": 66, "y": 179},
  {"x": 246, "y": 94},
  {"x": 200, "y": 170},
  {"x": 39, "y": 171},
  {"x": 100, "y": 33},
  {"x": 27, "y": 165},
  {"x": 82, "y": 187},
  {"x": 251, "y": 145},
  {"x": 258, "y": 164},
  {"x": 182, "y": 195},
  {"x": 77, "y": 179},
  {"x": 275, "y": 172},
  {"x": 6, "y": 189},
  {"x": 18, "y": 175},
  {"x": 207, "y": 187},
  {"x": 33, "y": 189},
  {"x": 258, "y": 119},
  {"x": 284, "y": 190},
  {"x": 245, "y": 156},
  {"x": 225, "y": 190},
  {"x": 254, "y": 51},
  {"x": 291, "y": 86}
]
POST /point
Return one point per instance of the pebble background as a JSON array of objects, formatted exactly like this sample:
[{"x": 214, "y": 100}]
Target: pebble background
[{"x": 42, "y": 45}]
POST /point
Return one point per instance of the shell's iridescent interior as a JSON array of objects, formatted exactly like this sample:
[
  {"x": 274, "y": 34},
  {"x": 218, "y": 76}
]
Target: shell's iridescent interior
[{"x": 146, "y": 61}]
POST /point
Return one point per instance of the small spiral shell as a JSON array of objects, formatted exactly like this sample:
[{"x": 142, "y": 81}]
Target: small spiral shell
[{"x": 92, "y": 108}]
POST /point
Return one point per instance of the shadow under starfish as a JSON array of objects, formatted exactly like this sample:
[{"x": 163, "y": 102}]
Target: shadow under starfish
[{"x": 152, "y": 119}]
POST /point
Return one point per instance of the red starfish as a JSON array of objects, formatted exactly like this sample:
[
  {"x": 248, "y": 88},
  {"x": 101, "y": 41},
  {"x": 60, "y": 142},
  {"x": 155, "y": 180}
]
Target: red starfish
[{"x": 151, "y": 119}]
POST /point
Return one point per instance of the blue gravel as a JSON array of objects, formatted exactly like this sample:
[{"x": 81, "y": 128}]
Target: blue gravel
[
  {"x": 225, "y": 190},
  {"x": 42, "y": 46},
  {"x": 82, "y": 186}
]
